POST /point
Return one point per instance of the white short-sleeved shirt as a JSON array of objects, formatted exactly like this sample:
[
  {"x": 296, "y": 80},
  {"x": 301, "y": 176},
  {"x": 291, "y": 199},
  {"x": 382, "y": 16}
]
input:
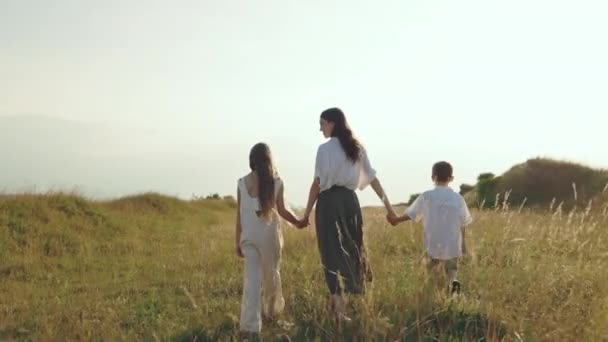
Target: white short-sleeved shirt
[
  {"x": 443, "y": 213},
  {"x": 333, "y": 168}
]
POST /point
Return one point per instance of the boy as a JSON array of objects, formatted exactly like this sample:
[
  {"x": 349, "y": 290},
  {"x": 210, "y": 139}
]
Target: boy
[{"x": 444, "y": 214}]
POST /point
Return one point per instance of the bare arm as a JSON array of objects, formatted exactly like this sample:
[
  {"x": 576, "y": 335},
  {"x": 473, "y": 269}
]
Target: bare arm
[
  {"x": 283, "y": 211},
  {"x": 315, "y": 189},
  {"x": 382, "y": 195},
  {"x": 239, "y": 228}
]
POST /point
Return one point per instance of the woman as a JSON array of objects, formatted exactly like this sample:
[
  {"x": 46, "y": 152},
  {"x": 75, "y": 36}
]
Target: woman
[
  {"x": 259, "y": 241},
  {"x": 342, "y": 166}
]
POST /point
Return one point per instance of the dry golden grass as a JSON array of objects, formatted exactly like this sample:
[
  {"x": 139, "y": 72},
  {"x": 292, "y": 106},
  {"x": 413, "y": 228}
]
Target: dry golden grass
[{"x": 151, "y": 267}]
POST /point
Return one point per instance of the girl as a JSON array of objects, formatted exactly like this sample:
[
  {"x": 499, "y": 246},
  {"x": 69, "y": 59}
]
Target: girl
[{"x": 260, "y": 196}]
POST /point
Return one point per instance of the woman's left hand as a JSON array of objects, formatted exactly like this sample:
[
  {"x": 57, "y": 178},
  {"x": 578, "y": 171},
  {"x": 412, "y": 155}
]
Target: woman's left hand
[{"x": 392, "y": 218}]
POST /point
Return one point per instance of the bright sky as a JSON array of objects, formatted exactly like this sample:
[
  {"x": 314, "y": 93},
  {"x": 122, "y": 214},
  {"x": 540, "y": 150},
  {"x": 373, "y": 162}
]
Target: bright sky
[{"x": 483, "y": 84}]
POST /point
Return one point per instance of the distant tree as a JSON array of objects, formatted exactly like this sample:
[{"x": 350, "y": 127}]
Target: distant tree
[
  {"x": 485, "y": 176},
  {"x": 213, "y": 197},
  {"x": 466, "y": 188},
  {"x": 487, "y": 190}
]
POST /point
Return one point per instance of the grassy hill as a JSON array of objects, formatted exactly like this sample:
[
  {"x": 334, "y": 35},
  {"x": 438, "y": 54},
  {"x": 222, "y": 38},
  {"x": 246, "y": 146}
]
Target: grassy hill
[
  {"x": 76, "y": 269},
  {"x": 539, "y": 182},
  {"x": 152, "y": 267}
]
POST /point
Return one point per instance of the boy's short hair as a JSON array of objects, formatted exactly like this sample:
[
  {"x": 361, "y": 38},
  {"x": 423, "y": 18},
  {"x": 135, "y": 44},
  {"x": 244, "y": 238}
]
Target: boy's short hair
[{"x": 443, "y": 171}]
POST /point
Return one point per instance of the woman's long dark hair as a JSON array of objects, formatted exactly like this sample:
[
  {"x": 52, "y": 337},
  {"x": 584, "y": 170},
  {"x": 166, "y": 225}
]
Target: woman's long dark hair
[
  {"x": 350, "y": 145},
  {"x": 260, "y": 162}
]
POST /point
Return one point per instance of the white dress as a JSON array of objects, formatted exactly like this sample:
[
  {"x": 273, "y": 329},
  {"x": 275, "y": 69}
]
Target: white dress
[{"x": 261, "y": 244}]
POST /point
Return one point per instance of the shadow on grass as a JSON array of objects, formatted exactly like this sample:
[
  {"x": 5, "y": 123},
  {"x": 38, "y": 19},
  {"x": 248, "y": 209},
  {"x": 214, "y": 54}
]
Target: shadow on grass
[
  {"x": 15, "y": 334},
  {"x": 229, "y": 331},
  {"x": 446, "y": 324},
  {"x": 226, "y": 331},
  {"x": 452, "y": 324}
]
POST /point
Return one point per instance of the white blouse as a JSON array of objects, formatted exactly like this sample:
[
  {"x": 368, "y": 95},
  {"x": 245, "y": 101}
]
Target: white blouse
[{"x": 333, "y": 167}]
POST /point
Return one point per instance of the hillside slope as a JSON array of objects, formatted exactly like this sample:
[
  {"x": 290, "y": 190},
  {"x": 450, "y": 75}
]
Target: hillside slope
[
  {"x": 539, "y": 182},
  {"x": 152, "y": 267}
]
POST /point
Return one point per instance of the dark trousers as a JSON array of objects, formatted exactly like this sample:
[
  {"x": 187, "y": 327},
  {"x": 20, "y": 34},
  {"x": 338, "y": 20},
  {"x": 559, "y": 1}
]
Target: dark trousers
[{"x": 339, "y": 226}]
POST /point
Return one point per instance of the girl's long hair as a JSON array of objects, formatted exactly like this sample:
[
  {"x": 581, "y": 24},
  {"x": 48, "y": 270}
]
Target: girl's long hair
[{"x": 260, "y": 162}]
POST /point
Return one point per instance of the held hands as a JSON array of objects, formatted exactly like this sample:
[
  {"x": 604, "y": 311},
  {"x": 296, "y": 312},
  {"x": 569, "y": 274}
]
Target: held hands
[
  {"x": 392, "y": 218},
  {"x": 303, "y": 223}
]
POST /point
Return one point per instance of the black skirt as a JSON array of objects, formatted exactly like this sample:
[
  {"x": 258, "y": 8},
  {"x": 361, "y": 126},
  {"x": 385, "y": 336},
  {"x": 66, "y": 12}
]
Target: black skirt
[{"x": 339, "y": 226}]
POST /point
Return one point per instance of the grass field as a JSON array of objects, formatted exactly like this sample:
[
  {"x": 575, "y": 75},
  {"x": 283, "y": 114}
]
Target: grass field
[{"x": 151, "y": 267}]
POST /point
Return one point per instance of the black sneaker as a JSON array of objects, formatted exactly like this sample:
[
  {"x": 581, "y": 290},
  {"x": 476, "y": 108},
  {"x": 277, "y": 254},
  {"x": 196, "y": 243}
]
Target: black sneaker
[{"x": 455, "y": 287}]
